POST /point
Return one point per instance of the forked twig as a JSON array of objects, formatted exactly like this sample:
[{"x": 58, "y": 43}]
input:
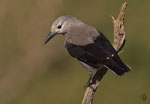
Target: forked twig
[{"x": 118, "y": 44}]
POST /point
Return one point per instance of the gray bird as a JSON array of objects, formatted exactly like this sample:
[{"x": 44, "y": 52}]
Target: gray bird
[{"x": 88, "y": 45}]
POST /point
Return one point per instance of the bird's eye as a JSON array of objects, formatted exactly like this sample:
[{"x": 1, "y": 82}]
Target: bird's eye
[{"x": 59, "y": 26}]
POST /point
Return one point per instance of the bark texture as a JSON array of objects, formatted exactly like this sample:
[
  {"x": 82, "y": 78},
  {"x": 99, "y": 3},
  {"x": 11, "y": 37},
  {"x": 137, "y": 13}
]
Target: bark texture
[{"x": 119, "y": 41}]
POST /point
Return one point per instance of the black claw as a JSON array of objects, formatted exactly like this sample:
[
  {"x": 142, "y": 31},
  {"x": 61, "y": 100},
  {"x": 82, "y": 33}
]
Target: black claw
[
  {"x": 88, "y": 84},
  {"x": 94, "y": 89}
]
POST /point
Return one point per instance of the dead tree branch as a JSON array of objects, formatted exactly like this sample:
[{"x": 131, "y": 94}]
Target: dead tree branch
[{"x": 119, "y": 41}]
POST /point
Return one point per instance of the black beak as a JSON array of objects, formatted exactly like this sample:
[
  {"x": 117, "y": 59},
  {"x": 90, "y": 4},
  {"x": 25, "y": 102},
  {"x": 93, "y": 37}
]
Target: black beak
[{"x": 50, "y": 36}]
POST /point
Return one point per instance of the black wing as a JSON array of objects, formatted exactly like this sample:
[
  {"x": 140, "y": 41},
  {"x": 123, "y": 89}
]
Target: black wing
[{"x": 98, "y": 52}]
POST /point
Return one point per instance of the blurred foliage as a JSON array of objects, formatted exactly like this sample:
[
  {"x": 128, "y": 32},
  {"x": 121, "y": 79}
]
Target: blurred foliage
[{"x": 31, "y": 73}]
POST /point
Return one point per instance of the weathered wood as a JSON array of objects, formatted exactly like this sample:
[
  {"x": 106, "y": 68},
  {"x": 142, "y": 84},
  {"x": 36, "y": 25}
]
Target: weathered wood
[{"x": 119, "y": 41}]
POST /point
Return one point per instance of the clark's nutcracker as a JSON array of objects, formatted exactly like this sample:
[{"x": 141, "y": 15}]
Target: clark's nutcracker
[{"x": 88, "y": 45}]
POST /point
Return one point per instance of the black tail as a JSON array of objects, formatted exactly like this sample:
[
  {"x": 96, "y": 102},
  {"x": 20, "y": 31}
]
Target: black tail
[{"x": 117, "y": 66}]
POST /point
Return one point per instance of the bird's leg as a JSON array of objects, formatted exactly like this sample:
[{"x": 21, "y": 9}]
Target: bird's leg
[
  {"x": 88, "y": 83},
  {"x": 90, "y": 71},
  {"x": 89, "y": 80}
]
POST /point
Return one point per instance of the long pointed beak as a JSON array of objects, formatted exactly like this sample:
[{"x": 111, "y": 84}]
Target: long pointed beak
[{"x": 50, "y": 36}]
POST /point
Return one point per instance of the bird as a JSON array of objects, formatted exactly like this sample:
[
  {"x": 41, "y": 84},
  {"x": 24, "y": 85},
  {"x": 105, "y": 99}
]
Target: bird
[{"x": 88, "y": 45}]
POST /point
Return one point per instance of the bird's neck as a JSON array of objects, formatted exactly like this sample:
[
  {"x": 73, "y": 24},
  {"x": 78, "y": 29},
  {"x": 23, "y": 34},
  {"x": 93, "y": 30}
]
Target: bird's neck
[{"x": 81, "y": 34}]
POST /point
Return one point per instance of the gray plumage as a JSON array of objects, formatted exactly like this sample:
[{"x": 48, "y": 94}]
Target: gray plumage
[{"x": 88, "y": 45}]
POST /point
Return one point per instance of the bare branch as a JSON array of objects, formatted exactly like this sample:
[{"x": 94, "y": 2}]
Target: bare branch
[
  {"x": 118, "y": 44},
  {"x": 119, "y": 32}
]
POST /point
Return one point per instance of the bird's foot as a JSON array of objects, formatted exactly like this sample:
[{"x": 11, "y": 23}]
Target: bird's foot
[{"x": 89, "y": 84}]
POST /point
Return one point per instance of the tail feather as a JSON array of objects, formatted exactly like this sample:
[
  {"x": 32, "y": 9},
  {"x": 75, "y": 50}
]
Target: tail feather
[{"x": 117, "y": 65}]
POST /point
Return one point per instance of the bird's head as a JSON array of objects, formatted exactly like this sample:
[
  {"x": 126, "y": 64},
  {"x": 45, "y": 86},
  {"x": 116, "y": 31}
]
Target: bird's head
[{"x": 60, "y": 26}]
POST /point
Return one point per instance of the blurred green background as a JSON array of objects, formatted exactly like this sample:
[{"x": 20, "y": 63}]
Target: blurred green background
[{"x": 31, "y": 73}]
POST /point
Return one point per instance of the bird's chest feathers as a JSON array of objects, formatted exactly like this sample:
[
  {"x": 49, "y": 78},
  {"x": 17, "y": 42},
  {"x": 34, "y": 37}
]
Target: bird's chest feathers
[{"x": 80, "y": 36}]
